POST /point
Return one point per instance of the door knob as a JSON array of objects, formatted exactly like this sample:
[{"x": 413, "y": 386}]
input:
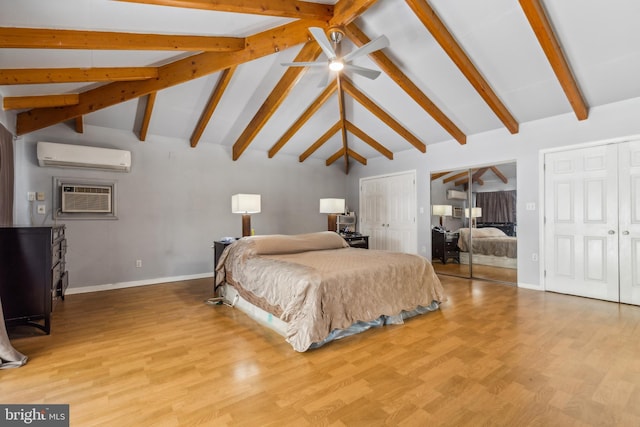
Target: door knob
[
  {"x": 626, "y": 233},
  {"x": 612, "y": 232}
]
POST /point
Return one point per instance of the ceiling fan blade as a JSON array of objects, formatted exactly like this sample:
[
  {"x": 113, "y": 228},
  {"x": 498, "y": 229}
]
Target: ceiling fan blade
[
  {"x": 377, "y": 44},
  {"x": 304, "y": 64},
  {"x": 323, "y": 41},
  {"x": 366, "y": 72}
]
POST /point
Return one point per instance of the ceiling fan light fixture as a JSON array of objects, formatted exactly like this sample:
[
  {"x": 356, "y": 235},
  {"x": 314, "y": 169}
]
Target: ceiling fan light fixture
[{"x": 336, "y": 65}]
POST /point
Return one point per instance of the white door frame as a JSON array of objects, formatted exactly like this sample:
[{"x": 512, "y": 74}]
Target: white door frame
[{"x": 541, "y": 192}]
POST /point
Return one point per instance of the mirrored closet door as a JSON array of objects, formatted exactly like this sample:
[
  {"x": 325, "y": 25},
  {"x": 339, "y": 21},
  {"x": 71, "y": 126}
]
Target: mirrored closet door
[{"x": 474, "y": 223}]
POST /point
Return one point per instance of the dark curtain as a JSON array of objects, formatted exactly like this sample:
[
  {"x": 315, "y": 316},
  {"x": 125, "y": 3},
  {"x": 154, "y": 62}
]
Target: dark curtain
[
  {"x": 497, "y": 206},
  {"x": 6, "y": 176}
]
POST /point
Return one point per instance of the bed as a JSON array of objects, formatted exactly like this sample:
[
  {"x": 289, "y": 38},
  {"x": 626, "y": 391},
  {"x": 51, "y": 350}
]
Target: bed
[
  {"x": 490, "y": 245},
  {"x": 317, "y": 288}
]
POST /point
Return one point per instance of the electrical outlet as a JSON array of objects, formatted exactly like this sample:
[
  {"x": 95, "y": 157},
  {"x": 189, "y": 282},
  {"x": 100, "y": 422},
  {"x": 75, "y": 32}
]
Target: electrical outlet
[
  {"x": 31, "y": 196},
  {"x": 42, "y": 209},
  {"x": 138, "y": 263},
  {"x": 534, "y": 257}
]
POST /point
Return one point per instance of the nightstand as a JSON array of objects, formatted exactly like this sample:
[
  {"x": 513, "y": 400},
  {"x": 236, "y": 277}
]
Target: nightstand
[
  {"x": 444, "y": 246},
  {"x": 218, "y": 248},
  {"x": 356, "y": 240}
]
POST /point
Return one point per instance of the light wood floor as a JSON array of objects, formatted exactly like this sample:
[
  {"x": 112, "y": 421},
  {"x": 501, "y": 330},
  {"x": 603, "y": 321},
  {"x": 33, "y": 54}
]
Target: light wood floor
[{"x": 494, "y": 355}]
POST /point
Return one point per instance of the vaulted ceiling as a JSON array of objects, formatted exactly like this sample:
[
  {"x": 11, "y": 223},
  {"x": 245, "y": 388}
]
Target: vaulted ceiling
[{"x": 209, "y": 72}]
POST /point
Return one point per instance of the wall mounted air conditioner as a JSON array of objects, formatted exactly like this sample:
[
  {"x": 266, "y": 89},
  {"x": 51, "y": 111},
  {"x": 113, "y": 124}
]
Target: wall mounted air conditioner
[
  {"x": 86, "y": 199},
  {"x": 456, "y": 195},
  {"x": 81, "y": 156}
]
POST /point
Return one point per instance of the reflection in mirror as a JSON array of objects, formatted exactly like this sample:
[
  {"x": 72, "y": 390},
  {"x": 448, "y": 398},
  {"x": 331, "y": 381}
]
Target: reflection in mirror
[
  {"x": 493, "y": 232},
  {"x": 448, "y": 202},
  {"x": 478, "y": 238}
]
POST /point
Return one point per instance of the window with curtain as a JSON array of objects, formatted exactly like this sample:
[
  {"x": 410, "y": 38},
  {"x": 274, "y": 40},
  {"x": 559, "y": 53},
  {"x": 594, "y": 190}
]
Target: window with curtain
[
  {"x": 497, "y": 206},
  {"x": 6, "y": 176}
]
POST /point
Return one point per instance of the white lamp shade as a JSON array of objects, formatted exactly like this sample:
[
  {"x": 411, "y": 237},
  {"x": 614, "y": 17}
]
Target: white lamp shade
[
  {"x": 332, "y": 206},
  {"x": 442, "y": 210},
  {"x": 245, "y": 203},
  {"x": 475, "y": 212}
]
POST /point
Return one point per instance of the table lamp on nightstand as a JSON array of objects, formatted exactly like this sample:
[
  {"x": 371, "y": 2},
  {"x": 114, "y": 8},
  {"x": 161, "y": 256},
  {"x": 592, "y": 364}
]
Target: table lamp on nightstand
[
  {"x": 475, "y": 213},
  {"x": 245, "y": 204},
  {"x": 442, "y": 211},
  {"x": 333, "y": 207}
]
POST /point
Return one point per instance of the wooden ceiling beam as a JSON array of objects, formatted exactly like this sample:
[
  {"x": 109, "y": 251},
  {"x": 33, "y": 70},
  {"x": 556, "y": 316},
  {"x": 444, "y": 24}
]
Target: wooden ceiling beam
[
  {"x": 541, "y": 25},
  {"x": 477, "y": 174},
  {"x": 281, "y": 8},
  {"x": 324, "y": 138},
  {"x": 335, "y": 156},
  {"x": 382, "y": 115},
  {"x": 42, "y": 38},
  {"x": 74, "y": 75},
  {"x": 169, "y": 75},
  {"x": 499, "y": 174},
  {"x": 151, "y": 100},
  {"x": 308, "y": 113},
  {"x": 357, "y": 156},
  {"x": 369, "y": 140},
  {"x": 346, "y": 11},
  {"x": 309, "y": 52},
  {"x": 79, "y": 124},
  {"x": 439, "y": 31},
  {"x": 356, "y": 35},
  {"x": 39, "y": 101},
  {"x": 454, "y": 177},
  {"x": 214, "y": 100},
  {"x": 349, "y": 152},
  {"x": 343, "y": 123},
  {"x": 437, "y": 175}
]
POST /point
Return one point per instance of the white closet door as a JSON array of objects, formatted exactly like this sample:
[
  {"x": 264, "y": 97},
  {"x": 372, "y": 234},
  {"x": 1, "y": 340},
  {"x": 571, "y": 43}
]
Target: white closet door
[
  {"x": 629, "y": 170},
  {"x": 387, "y": 212},
  {"x": 401, "y": 213},
  {"x": 373, "y": 212},
  {"x": 581, "y": 213}
]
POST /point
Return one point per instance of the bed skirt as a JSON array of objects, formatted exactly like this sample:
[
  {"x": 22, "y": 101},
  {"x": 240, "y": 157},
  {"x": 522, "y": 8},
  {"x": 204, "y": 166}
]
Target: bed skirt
[{"x": 232, "y": 298}]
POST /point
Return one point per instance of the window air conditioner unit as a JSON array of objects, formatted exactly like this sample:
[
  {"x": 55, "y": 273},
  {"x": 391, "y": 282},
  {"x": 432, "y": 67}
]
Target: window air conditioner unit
[
  {"x": 456, "y": 195},
  {"x": 80, "y": 156},
  {"x": 86, "y": 199}
]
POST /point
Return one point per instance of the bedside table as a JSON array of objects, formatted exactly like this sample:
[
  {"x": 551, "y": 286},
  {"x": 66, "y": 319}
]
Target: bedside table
[
  {"x": 356, "y": 241},
  {"x": 218, "y": 248},
  {"x": 444, "y": 246}
]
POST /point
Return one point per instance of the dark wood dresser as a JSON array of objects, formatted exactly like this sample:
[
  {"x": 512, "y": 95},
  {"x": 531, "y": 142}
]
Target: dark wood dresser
[{"x": 33, "y": 274}]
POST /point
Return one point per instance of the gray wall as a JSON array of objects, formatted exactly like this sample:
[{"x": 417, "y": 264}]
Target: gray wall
[
  {"x": 606, "y": 122},
  {"x": 173, "y": 204}
]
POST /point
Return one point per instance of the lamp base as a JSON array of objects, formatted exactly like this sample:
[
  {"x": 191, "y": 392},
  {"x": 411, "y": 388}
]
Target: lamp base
[
  {"x": 332, "y": 222},
  {"x": 246, "y": 225}
]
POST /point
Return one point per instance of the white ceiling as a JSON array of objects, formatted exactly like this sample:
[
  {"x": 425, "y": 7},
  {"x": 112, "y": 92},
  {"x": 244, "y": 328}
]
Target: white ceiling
[{"x": 599, "y": 38}]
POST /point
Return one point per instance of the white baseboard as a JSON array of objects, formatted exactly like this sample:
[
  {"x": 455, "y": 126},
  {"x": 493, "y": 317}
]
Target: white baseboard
[
  {"x": 532, "y": 287},
  {"x": 122, "y": 285}
]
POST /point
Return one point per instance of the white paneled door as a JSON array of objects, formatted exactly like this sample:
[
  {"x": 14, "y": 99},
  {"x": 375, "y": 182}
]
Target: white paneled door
[
  {"x": 592, "y": 245},
  {"x": 388, "y": 212},
  {"x": 629, "y": 170}
]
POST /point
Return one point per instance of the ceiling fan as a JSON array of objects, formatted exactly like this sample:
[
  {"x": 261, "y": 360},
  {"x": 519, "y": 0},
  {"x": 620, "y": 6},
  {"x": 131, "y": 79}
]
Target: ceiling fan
[{"x": 331, "y": 47}]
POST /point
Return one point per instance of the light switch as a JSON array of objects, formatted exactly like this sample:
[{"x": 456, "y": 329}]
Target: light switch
[
  {"x": 531, "y": 206},
  {"x": 40, "y": 196}
]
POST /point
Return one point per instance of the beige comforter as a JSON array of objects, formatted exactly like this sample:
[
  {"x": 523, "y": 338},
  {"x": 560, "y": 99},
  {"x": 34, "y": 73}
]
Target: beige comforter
[
  {"x": 317, "y": 291},
  {"x": 488, "y": 241}
]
